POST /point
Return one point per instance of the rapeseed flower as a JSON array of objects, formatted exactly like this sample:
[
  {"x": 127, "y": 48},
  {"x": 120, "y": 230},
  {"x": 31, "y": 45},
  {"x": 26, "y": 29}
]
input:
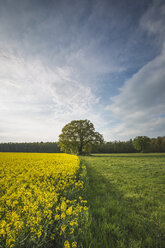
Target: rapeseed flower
[
  {"x": 69, "y": 210},
  {"x": 34, "y": 197},
  {"x": 66, "y": 244},
  {"x": 74, "y": 244}
]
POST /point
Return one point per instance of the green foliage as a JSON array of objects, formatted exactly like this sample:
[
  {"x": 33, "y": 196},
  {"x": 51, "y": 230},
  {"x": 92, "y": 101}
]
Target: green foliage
[
  {"x": 126, "y": 197},
  {"x": 157, "y": 145},
  {"x": 79, "y": 137},
  {"x": 141, "y": 143},
  {"x": 44, "y": 147},
  {"x": 115, "y": 147}
]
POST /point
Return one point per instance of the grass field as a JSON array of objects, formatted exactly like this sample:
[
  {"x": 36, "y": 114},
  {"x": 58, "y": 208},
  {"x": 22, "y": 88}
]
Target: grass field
[{"x": 126, "y": 198}]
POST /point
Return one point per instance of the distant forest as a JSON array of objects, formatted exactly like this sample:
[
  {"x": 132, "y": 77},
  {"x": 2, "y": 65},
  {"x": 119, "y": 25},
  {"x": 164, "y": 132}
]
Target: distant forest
[
  {"x": 30, "y": 147},
  {"x": 156, "y": 145}
]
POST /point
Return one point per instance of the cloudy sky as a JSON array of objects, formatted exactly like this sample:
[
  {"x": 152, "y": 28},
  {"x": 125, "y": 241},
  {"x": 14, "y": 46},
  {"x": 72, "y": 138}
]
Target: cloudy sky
[{"x": 81, "y": 59}]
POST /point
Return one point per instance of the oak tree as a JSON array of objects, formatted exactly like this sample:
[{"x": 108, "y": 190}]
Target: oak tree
[
  {"x": 141, "y": 143},
  {"x": 78, "y": 137}
]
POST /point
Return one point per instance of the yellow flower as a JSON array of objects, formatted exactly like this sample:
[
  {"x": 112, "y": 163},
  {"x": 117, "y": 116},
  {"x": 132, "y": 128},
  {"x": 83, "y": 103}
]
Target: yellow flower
[
  {"x": 73, "y": 222},
  {"x": 63, "y": 228},
  {"x": 66, "y": 244},
  {"x": 57, "y": 208},
  {"x": 69, "y": 211},
  {"x": 39, "y": 233},
  {"x": 63, "y": 206},
  {"x": 32, "y": 188},
  {"x": 2, "y": 232},
  {"x": 72, "y": 230},
  {"x": 74, "y": 244},
  {"x": 52, "y": 236},
  {"x": 85, "y": 208},
  {"x": 57, "y": 217},
  {"x": 63, "y": 216}
]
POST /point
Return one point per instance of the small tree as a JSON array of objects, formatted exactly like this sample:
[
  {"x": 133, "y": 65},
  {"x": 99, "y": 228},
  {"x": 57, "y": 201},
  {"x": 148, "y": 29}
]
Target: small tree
[
  {"x": 79, "y": 137},
  {"x": 141, "y": 143}
]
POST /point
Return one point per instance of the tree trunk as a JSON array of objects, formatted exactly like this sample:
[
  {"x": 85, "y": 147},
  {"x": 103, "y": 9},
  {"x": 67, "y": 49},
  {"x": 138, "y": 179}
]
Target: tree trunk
[{"x": 80, "y": 149}]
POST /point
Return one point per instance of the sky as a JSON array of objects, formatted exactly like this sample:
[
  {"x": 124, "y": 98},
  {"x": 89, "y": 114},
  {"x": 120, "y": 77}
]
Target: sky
[{"x": 101, "y": 60}]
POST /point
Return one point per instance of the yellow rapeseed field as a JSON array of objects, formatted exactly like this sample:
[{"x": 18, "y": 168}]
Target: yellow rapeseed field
[{"x": 40, "y": 200}]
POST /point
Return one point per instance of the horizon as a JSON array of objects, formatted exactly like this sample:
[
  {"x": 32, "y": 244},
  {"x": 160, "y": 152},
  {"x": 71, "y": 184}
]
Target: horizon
[
  {"x": 106, "y": 141},
  {"x": 69, "y": 60}
]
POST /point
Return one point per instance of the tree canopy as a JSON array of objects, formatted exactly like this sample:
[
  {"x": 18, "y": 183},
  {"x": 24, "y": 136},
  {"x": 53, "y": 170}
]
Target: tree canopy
[
  {"x": 141, "y": 143},
  {"x": 79, "y": 137}
]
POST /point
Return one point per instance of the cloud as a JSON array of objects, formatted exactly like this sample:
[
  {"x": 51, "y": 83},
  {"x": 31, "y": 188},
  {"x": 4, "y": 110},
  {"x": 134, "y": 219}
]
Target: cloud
[
  {"x": 62, "y": 60},
  {"x": 36, "y": 101},
  {"x": 50, "y": 64},
  {"x": 153, "y": 21},
  {"x": 140, "y": 105}
]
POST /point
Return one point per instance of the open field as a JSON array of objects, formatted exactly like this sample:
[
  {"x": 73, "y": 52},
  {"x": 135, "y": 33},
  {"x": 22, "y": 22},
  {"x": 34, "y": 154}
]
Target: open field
[
  {"x": 126, "y": 197},
  {"x": 41, "y": 200}
]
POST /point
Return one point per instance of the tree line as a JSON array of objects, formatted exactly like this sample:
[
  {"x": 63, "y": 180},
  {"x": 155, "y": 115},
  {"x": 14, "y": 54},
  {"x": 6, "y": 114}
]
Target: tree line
[
  {"x": 154, "y": 145},
  {"x": 79, "y": 137},
  {"x": 45, "y": 147},
  {"x": 115, "y": 147}
]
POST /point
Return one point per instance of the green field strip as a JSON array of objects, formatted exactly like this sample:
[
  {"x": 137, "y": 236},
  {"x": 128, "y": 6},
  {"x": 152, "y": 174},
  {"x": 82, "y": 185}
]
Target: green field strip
[{"x": 126, "y": 197}]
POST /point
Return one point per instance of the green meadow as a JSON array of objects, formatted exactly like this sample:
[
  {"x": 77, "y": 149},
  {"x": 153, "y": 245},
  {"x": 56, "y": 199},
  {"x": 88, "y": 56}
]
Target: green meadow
[{"x": 126, "y": 198}]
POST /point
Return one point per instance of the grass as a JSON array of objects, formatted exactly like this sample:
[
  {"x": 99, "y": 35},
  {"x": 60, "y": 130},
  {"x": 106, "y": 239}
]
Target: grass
[{"x": 126, "y": 197}]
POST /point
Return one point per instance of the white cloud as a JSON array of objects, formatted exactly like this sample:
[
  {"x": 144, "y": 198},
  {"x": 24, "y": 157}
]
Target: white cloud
[
  {"x": 37, "y": 102},
  {"x": 55, "y": 61},
  {"x": 47, "y": 71},
  {"x": 140, "y": 105}
]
